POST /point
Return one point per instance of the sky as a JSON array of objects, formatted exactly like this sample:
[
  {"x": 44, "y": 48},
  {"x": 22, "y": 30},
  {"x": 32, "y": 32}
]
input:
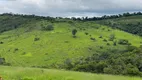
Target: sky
[{"x": 70, "y": 8}]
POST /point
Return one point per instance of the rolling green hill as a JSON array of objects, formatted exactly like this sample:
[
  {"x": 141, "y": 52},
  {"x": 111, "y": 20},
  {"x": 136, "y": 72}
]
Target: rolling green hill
[
  {"x": 32, "y": 41},
  {"x": 54, "y": 47},
  {"x": 18, "y": 73},
  {"x": 131, "y": 24}
]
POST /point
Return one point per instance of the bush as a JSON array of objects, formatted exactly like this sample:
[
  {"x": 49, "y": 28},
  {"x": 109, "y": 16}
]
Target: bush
[
  {"x": 131, "y": 48},
  {"x": 36, "y": 39},
  {"x": 1, "y": 42},
  {"x": 105, "y": 40},
  {"x": 68, "y": 64},
  {"x": 48, "y": 28},
  {"x": 111, "y": 37},
  {"x": 100, "y": 36},
  {"x": 114, "y": 43},
  {"x": 16, "y": 49},
  {"x": 108, "y": 44},
  {"x": 74, "y": 31},
  {"x": 86, "y": 33},
  {"x": 123, "y": 42},
  {"x": 115, "y": 61},
  {"x": 2, "y": 61},
  {"x": 132, "y": 70},
  {"x": 93, "y": 39}
]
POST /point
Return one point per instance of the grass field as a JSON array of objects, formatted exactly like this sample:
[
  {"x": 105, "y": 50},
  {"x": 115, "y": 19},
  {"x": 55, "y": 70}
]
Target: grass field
[
  {"x": 30, "y": 46},
  {"x": 54, "y": 47},
  {"x": 19, "y": 73}
]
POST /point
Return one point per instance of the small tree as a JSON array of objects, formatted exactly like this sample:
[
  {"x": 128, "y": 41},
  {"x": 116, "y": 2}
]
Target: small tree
[
  {"x": 2, "y": 61},
  {"x": 68, "y": 64},
  {"x": 112, "y": 37},
  {"x": 74, "y": 31},
  {"x": 48, "y": 28}
]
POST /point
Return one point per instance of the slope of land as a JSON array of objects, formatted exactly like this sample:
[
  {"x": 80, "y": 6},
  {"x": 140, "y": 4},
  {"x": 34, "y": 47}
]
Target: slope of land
[
  {"x": 19, "y": 73},
  {"x": 19, "y": 47},
  {"x": 131, "y": 24},
  {"x": 47, "y": 43}
]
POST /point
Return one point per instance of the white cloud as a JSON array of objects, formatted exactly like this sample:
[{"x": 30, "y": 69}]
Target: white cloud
[{"x": 70, "y": 7}]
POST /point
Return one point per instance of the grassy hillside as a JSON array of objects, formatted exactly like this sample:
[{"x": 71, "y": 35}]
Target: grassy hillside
[
  {"x": 131, "y": 24},
  {"x": 54, "y": 47},
  {"x": 45, "y": 43},
  {"x": 19, "y": 73}
]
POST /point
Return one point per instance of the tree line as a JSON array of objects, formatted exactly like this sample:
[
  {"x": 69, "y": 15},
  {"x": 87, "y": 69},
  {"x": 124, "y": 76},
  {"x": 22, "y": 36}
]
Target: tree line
[{"x": 74, "y": 18}]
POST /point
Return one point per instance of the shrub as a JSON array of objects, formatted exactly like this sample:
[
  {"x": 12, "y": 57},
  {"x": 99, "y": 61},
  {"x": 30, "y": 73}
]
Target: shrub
[
  {"x": 114, "y": 43},
  {"x": 74, "y": 31},
  {"x": 86, "y": 33},
  {"x": 16, "y": 49},
  {"x": 93, "y": 39},
  {"x": 105, "y": 40},
  {"x": 36, "y": 39},
  {"x": 108, "y": 29},
  {"x": 103, "y": 28},
  {"x": 2, "y": 61},
  {"x": 84, "y": 29},
  {"x": 111, "y": 37},
  {"x": 66, "y": 41},
  {"x": 108, "y": 44},
  {"x": 1, "y": 42},
  {"x": 132, "y": 70},
  {"x": 101, "y": 47},
  {"x": 68, "y": 64},
  {"x": 48, "y": 28},
  {"x": 131, "y": 48},
  {"x": 124, "y": 42},
  {"x": 100, "y": 36}
]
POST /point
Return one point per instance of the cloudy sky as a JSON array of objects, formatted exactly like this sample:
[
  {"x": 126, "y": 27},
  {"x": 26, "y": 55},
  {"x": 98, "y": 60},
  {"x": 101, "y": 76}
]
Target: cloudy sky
[{"x": 68, "y": 8}]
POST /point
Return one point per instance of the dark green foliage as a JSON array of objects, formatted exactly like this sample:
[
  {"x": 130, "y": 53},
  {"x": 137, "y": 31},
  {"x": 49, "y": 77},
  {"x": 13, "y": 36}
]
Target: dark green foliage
[
  {"x": 1, "y": 42},
  {"x": 100, "y": 36},
  {"x": 36, "y": 39},
  {"x": 10, "y": 22},
  {"x": 114, "y": 43},
  {"x": 122, "y": 62},
  {"x": 68, "y": 64},
  {"x": 86, "y": 33},
  {"x": 93, "y": 39},
  {"x": 101, "y": 47},
  {"x": 105, "y": 40},
  {"x": 2, "y": 61},
  {"x": 123, "y": 42},
  {"x": 108, "y": 29},
  {"x": 66, "y": 41},
  {"x": 16, "y": 49},
  {"x": 74, "y": 31},
  {"x": 48, "y": 28},
  {"x": 108, "y": 44},
  {"x": 111, "y": 37},
  {"x": 131, "y": 48},
  {"x": 132, "y": 70},
  {"x": 105, "y": 17}
]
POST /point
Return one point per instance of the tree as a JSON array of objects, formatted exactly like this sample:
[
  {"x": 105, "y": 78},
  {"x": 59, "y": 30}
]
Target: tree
[
  {"x": 48, "y": 28},
  {"x": 74, "y": 31},
  {"x": 68, "y": 64},
  {"x": 2, "y": 61},
  {"x": 112, "y": 37}
]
